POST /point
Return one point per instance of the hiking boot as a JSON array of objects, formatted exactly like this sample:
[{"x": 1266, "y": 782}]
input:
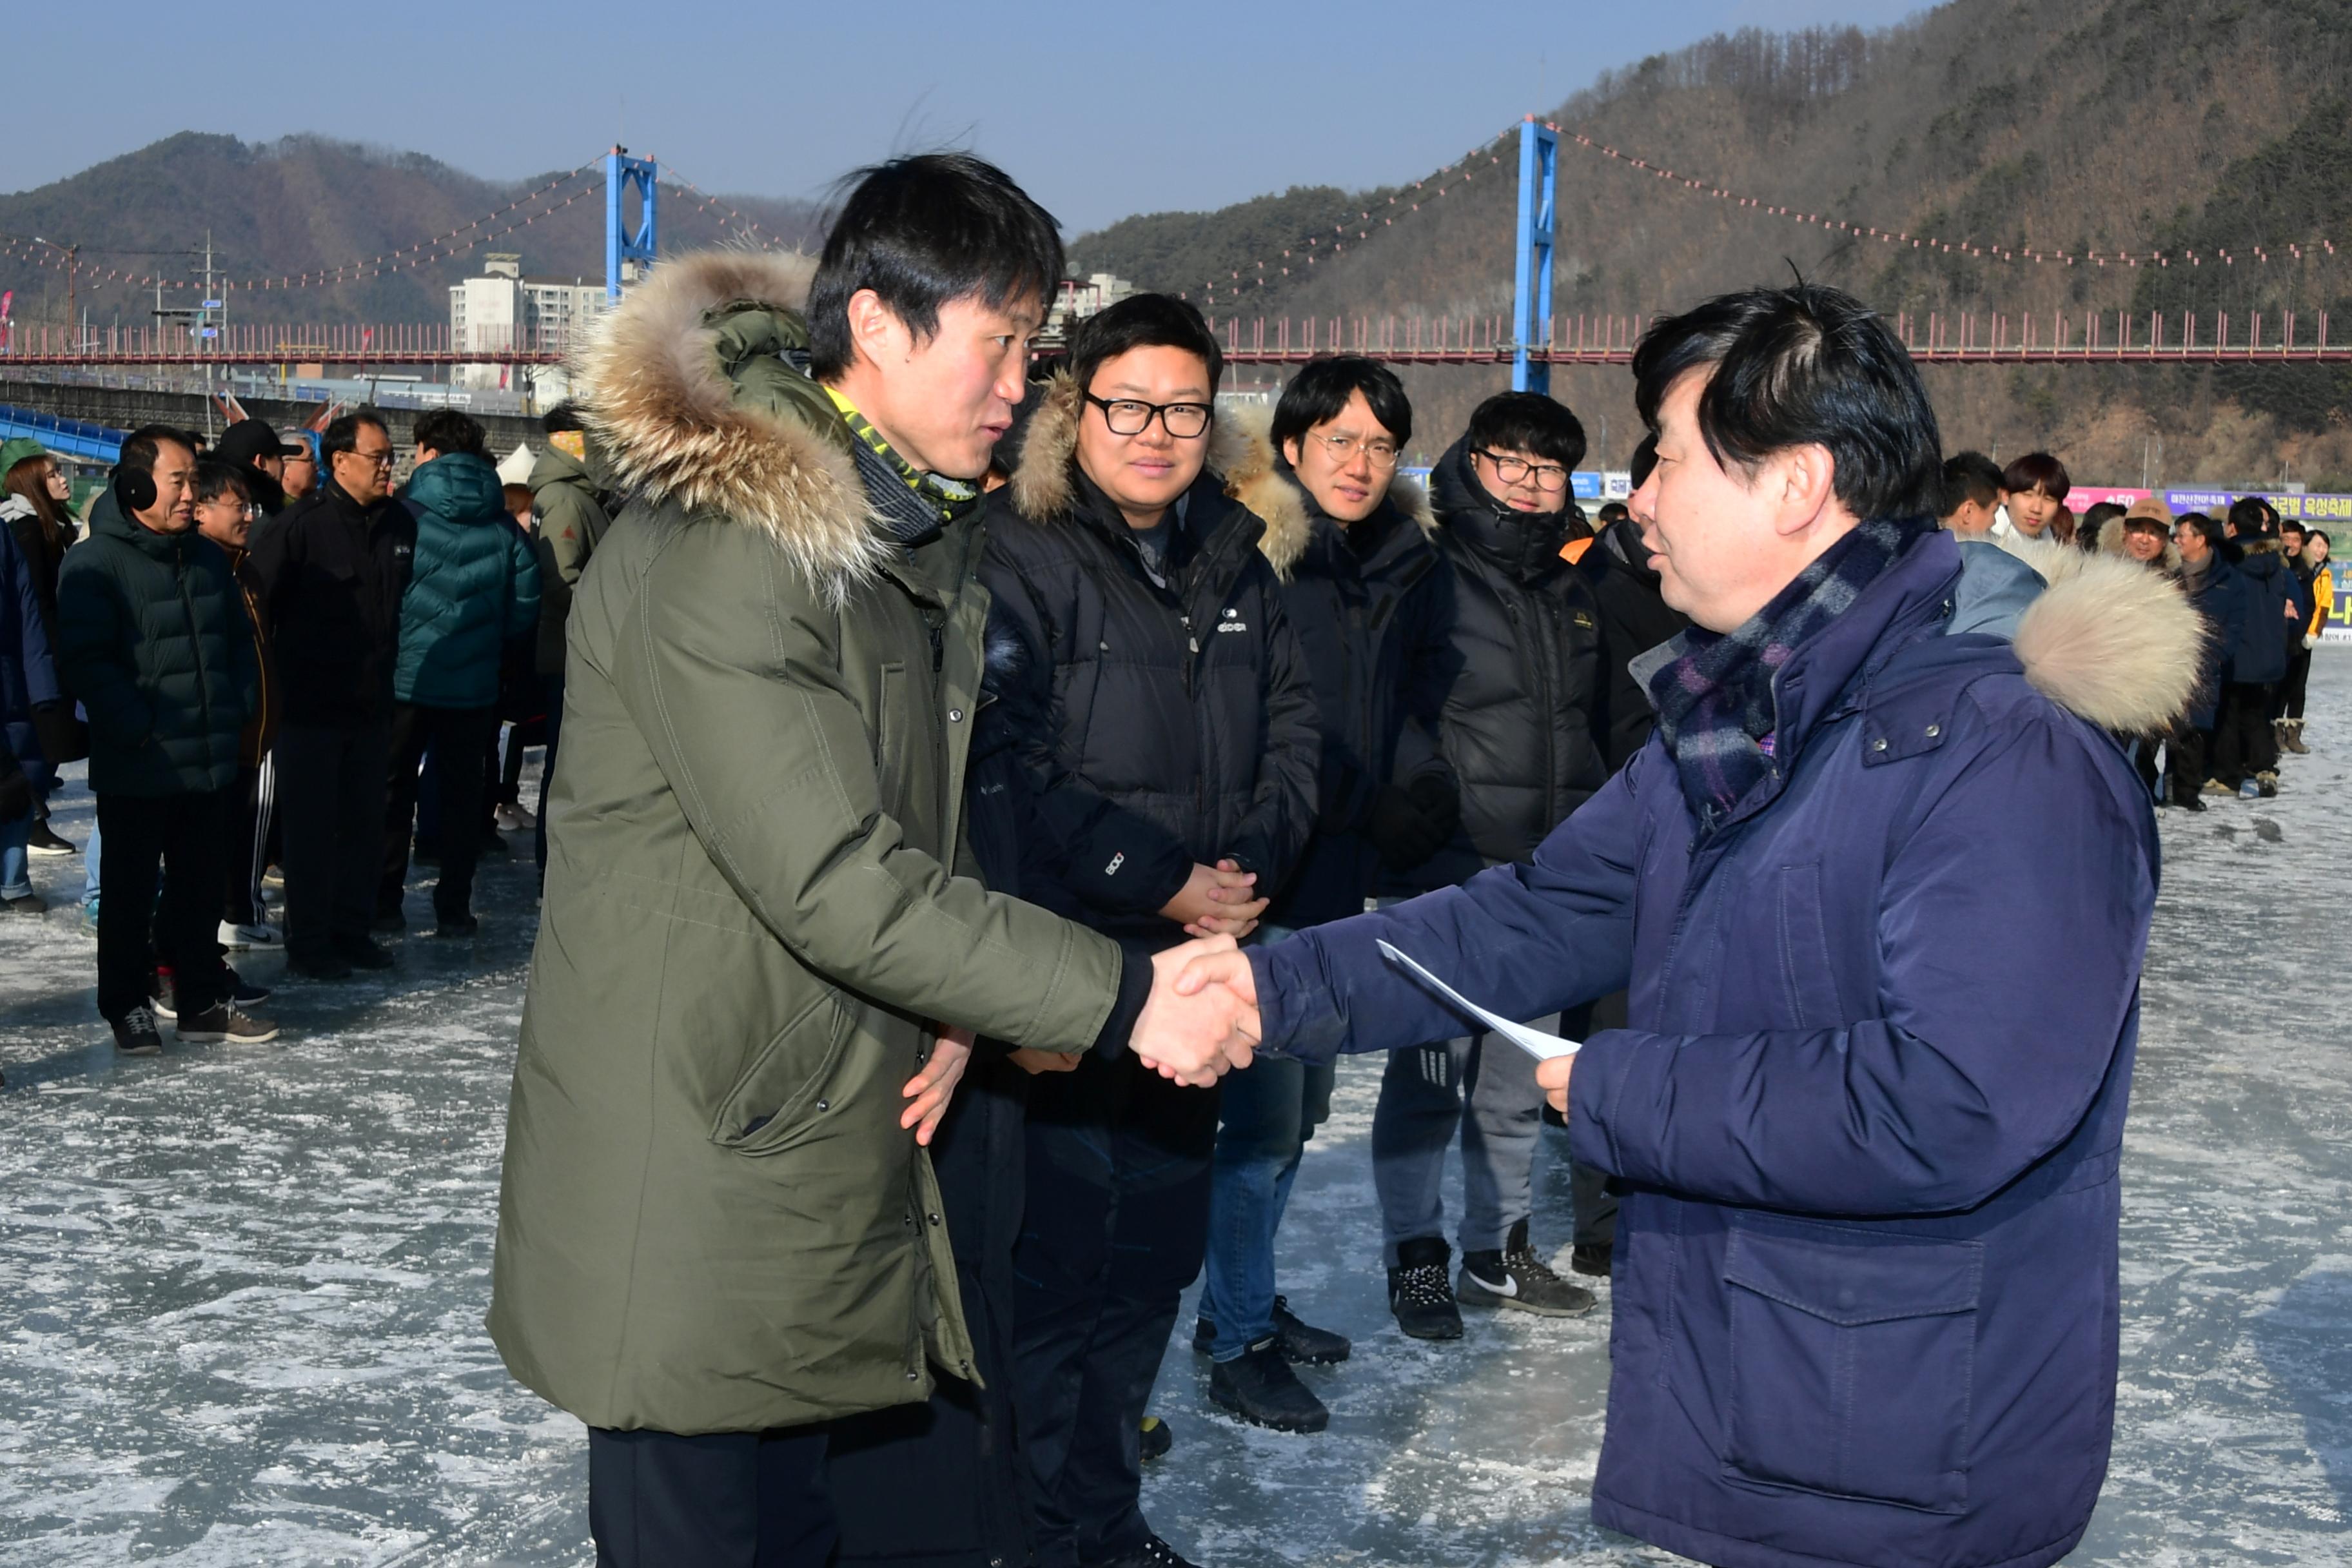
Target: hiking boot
[
  {"x": 1154, "y": 1554},
  {"x": 1259, "y": 1386},
  {"x": 41, "y": 841},
  {"x": 361, "y": 953},
  {"x": 2292, "y": 739},
  {"x": 2266, "y": 785},
  {"x": 1516, "y": 1277},
  {"x": 318, "y": 967},
  {"x": 225, "y": 1021},
  {"x": 1593, "y": 1258},
  {"x": 1418, "y": 1293},
  {"x": 135, "y": 1034},
  {"x": 1153, "y": 1438},
  {"x": 1301, "y": 1342}
]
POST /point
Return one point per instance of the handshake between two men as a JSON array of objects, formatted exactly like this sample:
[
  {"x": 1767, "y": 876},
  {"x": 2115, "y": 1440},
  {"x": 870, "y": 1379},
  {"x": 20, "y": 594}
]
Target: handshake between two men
[{"x": 1201, "y": 1020}]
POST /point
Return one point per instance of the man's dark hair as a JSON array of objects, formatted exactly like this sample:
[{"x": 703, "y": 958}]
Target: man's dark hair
[
  {"x": 1143, "y": 321},
  {"x": 2287, "y": 526},
  {"x": 1646, "y": 461},
  {"x": 923, "y": 232},
  {"x": 2037, "y": 470},
  {"x": 2086, "y": 532},
  {"x": 140, "y": 447},
  {"x": 2211, "y": 527},
  {"x": 2252, "y": 516},
  {"x": 1969, "y": 476},
  {"x": 1805, "y": 366},
  {"x": 446, "y": 430},
  {"x": 562, "y": 417},
  {"x": 1320, "y": 390},
  {"x": 1527, "y": 422},
  {"x": 1615, "y": 511},
  {"x": 215, "y": 479},
  {"x": 342, "y": 432}
]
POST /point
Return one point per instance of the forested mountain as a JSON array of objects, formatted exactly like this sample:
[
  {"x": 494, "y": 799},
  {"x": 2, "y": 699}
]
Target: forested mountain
[
  {"x": 2057, "y": 128},
  {"x": 307, "y": 204}
]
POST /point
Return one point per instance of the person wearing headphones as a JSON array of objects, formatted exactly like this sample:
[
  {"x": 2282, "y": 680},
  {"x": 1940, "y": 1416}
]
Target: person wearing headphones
[{"x": 153, "y": 638}]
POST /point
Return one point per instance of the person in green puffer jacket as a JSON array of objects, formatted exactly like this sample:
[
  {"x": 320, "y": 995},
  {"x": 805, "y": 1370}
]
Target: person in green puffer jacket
[
  {"x": 473, "y": 588},
  {"x": 152, "y": 637},
  {"x": 569, "y": 499},
  {"x": 763, "y": 948}
]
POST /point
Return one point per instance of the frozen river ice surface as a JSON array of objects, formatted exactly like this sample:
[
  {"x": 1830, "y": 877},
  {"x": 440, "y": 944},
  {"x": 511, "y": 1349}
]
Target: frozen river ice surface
[{"x": 241, "y": 1290}]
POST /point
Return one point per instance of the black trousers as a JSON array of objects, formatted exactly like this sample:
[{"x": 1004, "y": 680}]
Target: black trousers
[
  {"x": 2287, "y": 701},
  {"x": 458, "y": 737},
  {"x": 187, "y": 835},
  {"x": 249, "y": 807},
  {"x": 2243, "y": 741},
  {"x": 330, "y": 786},
  {"x": 726, "y": 1500},
  {"x": 1115, "y": 1226}
]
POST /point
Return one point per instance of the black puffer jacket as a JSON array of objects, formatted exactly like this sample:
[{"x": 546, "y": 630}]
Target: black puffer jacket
[
  {"x": 1634, "y": 619},
  {"x": 1367, "y": 601},
  {"x": 1521, "y": 725},
  {"x": 332, "y": 574},
  {"x": 152, "y": 637},
  {"x": 1179, "y": 721}
]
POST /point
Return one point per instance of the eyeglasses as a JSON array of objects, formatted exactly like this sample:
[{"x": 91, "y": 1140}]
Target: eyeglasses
[
  {"x": 1344, "y": 450},
  {"x": 1128, "y": 417},
  {"x": 1515, "y": 471},
  {"x": 376, "y": 459}
]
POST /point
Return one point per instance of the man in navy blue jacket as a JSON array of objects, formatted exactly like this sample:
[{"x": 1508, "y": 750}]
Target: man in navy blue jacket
[{"x": 1865, "y": 1288}]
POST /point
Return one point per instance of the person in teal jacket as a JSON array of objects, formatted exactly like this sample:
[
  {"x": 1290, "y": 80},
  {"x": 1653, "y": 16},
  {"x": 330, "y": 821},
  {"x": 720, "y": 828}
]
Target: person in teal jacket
[{"x": 473, "y": 589}]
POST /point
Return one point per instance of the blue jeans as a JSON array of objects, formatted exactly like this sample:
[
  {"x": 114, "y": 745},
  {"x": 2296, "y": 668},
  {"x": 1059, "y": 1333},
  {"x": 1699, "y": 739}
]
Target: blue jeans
[
  {"x": 1270, "y": 1110},
  {"x": 16, "y": 866},
  {"x": 90, "y": 864}
]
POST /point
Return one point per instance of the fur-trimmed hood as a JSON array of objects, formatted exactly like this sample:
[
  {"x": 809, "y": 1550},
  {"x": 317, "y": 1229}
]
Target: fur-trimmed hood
[
  {"x": 2111, "y": 543},
  {"x": 684, "y": 387},
  {"x": 1241, "y": 453},
  {"x": 2110, "y": 640}
]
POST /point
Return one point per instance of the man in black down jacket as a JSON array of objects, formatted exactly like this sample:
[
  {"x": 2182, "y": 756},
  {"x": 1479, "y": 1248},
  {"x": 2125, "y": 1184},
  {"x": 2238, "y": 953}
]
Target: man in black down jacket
[
  {"x": 1173, "y": 776},
  {"x": 1364, "y": 596},
  {"x": 1521, "y": 730},
  {"x": 332, "y": 570},
  {"x": 152, "y": 637}
]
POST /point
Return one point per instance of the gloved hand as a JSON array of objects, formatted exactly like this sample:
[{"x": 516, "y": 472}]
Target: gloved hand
[
  {"x": 16, "y": 790},
  {"x": 2310, "y": 640},
  {"x": 1439, "y": 800},
  {"x": 1402, "y": 831}
]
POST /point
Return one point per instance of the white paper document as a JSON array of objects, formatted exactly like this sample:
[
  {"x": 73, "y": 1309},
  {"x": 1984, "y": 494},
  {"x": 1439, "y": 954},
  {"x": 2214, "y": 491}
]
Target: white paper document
[{"x": 1534, "y": 1042}]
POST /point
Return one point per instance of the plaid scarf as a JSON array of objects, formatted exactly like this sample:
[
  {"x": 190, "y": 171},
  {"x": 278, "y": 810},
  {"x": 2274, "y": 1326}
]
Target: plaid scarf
[
  {"x": 1718, "y": 709},
  {"x": 938, "y": 501}
]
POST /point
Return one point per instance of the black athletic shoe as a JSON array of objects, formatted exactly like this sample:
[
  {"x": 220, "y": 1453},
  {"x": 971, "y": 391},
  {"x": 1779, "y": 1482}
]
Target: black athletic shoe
[
  {"x": 1155, "y": 1438},
  {"x": 1259, "y": 1386},
  {"x": 225, "y": 1021},
  {"x": 361, "y": 953},
  {"x": 319, "y": 965},
  {"x": 1301, "y": 1342},
  {"x": 1592, "y": 1259},
  {"x": 1516, "y": 1277},
  {"x": 1154, "y": 1554},
  {"x": 244, "y": 993},
  {"x": 456, "y": 926},
  {"x": 41, "y": 841},
  {"x": 1418, "y": 1293},
  {"x": 135, "y": 1034}
]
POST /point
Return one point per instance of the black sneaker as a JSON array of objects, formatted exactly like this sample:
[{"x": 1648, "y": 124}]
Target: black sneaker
[
  {"x": 1259, "y": 1386},
  {"x": 163, "y": 996},
  {"x": 1301, "y": 1342},
  {"x": 225, "y": 1021},
  {"x": 1516, "y": 1277},
  {"x": 44, "y": 843},
  {"x": 456, "y": 926},
  {"x": 361, "y": 953},
  {"x": 135, "y": 1034},
  {"x": 1154, "y": 1438},
  {"x": 317, "y": 965},
  {"x": 1593, "y": 1258},
  {"x": 1418, "y": 1294},
  {"x": 1154, "y": 1554},
  {"x": 244, "y": 993}
]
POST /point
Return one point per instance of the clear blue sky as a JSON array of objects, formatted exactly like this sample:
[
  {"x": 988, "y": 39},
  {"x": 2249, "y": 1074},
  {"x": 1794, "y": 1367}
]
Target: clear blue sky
[{"x": 1101, "y": 110}]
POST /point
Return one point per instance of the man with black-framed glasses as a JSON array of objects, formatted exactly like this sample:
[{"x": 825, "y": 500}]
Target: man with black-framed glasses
[
  {"x": 1522, "y": 729},
  {"x": 331, "y": 570}
]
